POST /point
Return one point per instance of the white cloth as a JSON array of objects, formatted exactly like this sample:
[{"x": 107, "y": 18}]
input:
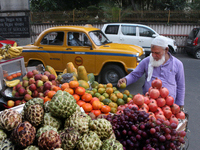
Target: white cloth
[{"x": 160, "y": 41}]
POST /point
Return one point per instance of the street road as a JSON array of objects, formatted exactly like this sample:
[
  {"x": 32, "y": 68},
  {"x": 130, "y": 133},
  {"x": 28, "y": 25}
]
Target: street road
[{"x": 192, "y": 97}]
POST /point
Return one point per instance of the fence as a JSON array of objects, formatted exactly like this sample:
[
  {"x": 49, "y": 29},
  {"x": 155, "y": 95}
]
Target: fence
[{"x": 178, "y": 32}]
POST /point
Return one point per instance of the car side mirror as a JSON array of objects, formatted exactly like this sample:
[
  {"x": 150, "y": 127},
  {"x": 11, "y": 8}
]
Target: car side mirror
[{"x": 154, "y": 35}]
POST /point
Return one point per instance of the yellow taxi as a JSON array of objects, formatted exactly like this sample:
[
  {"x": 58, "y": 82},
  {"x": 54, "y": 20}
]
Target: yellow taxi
[{"x": 83, "y": 45}]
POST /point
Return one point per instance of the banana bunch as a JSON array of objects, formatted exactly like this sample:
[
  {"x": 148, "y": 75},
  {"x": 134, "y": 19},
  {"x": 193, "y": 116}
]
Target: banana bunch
[
  {"x": 12, "y": 83},
  {"x": 8, "y": 51}
]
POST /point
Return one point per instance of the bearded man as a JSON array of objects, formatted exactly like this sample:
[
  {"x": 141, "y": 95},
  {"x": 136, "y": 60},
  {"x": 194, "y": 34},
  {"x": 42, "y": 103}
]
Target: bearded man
[{"x": 162, "y": 65}]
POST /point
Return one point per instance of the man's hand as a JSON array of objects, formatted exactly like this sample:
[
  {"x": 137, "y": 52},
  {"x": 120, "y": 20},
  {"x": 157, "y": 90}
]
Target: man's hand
[
  {"x": 181, "y": 108},
  {"x": 122, "y": 80}
]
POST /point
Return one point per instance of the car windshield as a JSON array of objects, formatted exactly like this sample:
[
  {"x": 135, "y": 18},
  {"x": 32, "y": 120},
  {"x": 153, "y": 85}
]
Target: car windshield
[{"x": 99, "y": 38}]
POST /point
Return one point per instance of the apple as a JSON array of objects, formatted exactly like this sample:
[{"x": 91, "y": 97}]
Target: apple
[
  {"x": 35, "y": 71},
  {"x": 23, "y": 101},
  {"x": 37, "y": 77},
  {"x": 27, "y": 97},
  {"x": 44, "y": 78},
  {"x": 18, "y": 86},
  {"x": 40, "y": 89},
  {"x": 31, "y": 81},
  {"x": 32, "y": 87},
  {"x": 10, "y": 103},
  {"x": 25, "y": 77},
  {"x": 35, "y": 93},
  {"x": 28, "y": 91},
  {"x": 47, "y": 86},
  {"x": 21, "y": 91},
  {"x": 25, "y": 83},
  {"x": 40, "y": 94},
  {"x": 46, "y": 92},
  {"x": 14, "y": 92},
  {"x": 51, "y": 77},
  {"x": 53, "y": 82},
  {"x": 17, "y": 94},
  {"x": 47, "y": 73},
  {"x": 17, "y": 102},
  {"x": 30, "y": 74}
]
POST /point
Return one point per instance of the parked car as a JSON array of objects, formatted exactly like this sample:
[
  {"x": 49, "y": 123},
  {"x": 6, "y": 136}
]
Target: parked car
[
  {"x": 136, "y": 34},
  {"x": 192, "y": 46},
  {"x": 4, "y": 41},
  {"x": 57, "y": 46}
]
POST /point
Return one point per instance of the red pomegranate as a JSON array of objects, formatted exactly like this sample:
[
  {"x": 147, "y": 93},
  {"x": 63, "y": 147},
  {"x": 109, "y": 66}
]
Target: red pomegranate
[
  {"x": 138, "y": 99},
  {"x": 164, "y": 92},
  {"x": 169, "y": 100},
  {"x": 154, "y": 93},
  {"x": 175, "y": 109},
  {"x": 180, "y": 115},
  {"x": 156, "y": 83}
]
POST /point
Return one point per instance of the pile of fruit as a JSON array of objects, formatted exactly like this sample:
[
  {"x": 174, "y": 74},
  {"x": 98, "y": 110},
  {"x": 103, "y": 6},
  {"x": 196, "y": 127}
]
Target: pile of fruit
[{"x": 58, "y": 123}]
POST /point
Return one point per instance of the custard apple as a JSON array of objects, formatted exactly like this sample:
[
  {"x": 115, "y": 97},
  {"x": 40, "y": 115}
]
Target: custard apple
[
  {"x": 32, "y": 147},
  {"x": 35, "y": 114},
  {"x": 44, "y": 129},
  {"x": 3, "y": 135},
  {"x": 79, "y": 121},
  {"x": 9, "y": 119},
  {"x": 24, "y": 134},
  {"x": 34, "y": 101},
  {"x": 51, "y": 121},
  {"x": 111, "y": 144},
  {"x": 46, "y": 106},
  {"x": 49, "y": 140},
  {"x": 102, "y": 127},
  {"x": 69, "y": 138},
  {"x": 62, "y": 104},
  {"x": 89, "y": 141},
  {"x": 6, "y": 144}
]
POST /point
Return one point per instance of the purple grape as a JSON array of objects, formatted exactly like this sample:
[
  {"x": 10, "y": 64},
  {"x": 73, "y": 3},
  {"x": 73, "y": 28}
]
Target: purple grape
[{"x": 162, "y": 138}]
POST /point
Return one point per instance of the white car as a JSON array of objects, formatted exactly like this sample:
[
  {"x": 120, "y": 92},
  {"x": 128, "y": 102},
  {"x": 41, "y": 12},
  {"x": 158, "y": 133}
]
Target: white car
[{"x": 136, "y": 34}]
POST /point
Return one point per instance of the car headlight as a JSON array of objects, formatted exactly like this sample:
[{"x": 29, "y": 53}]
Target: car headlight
[{"x": 175, "y": 43}]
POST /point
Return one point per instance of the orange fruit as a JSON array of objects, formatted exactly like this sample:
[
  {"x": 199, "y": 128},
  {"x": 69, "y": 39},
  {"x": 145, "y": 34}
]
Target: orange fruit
[
  {"x": 94, "y": 99},
  {"x": 119, "y": 95},
  {"x": 86, "y": 97},
  {"x": 96, "y": 105},
  {"x": 96, "y": 112},
  {"x": 87, "y": 107},
  {"x": 73, "y": 84},
  {"x": 105, "y": 109},
  {"x": 46, "y": 98},
  {"x": 18, "y": 74},
  {"x": 14, "y": 75},
  {"x": 80, "y": 102},
  {"x": 9, "y": 77},
  {"x": 80, "y": 90},
  {"x": 56, "y": 88},
  {"x": 76, "y": 97},
  {"x": 64, "y": 86},
  {"x": 109, "y": 90},
  {"x": 50, "y": 94},
  {"x": 109, "y": 85},
  {"x": 69, "y": 90}
]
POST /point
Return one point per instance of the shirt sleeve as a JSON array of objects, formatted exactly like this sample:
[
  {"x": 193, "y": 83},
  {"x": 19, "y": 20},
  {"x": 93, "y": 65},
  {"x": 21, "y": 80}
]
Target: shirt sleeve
[
  {"x": 180, "y": 81},
  {"x": 137, "y": 73}
]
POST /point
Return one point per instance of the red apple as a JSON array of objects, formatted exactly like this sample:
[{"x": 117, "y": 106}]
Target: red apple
[
  {"x": 18, "y": 86},
  {"x": 44, "y": 78},
  {"x": 40, "y": 89},
  {"x": 30, "y": 74},
  {"x": 54, "y": 82},
  {"x": 25, "y": 77},
  {"x": 46, "y": 92},
  {"x": 35, "y": 93},
  {"x": 32, "y": 87},
  {"x": 37, "y": 77},
  {"x": 47, "y": 73},
  {"x": 23, "y": 101},
  {"x": 40, "y": 94},
  {"x": 17, "y": 102},
  {"x": 21, "y": 91},
  {"x": 51, "y": 77},
  {"x": 31, "y": 81},
  {"x": 39, "y": 83},
  {"x": 35, "y": 71},
  {"x": 25, "y": 83},
  {"x": 47, "y": 86},
  {"x": 17, "y": 94},
  {"x": 28, "y": 91}
]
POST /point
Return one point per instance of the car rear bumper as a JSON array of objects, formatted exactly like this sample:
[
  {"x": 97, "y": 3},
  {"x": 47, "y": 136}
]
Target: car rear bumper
[{"x": 191, "y": 49}]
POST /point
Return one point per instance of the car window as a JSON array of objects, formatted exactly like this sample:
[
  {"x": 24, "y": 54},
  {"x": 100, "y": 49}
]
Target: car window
[
  {"x": 112, "y": 29},
  {"x": 145, "y": 32},
  {"x": 77, "y": 39},
  {"x": 128, "y": 30},
  {"x": 193, "y": 34},
  {"x": 98, "y": 37},
  {"x": 53, "y": 38}
]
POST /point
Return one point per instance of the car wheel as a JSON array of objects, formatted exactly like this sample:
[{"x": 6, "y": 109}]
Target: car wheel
[
  {"x": 34, "y": 63},
  {"x": 197, "y": 54},
  {"x": 111, "y": 74}
]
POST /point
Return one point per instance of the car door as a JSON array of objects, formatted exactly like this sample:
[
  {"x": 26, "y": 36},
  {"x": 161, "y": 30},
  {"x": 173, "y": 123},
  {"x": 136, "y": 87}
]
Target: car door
[
  {"x": 128, "y": 34},
  {"x": 145, "y": 37},
  {"x": 112, "y": 33},
  {"x": 79, "y": 53},
  {"x": 51, "y": 49}
]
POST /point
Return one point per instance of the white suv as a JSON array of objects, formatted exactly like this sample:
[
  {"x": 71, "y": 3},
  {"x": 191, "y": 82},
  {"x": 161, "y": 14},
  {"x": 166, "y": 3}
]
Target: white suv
[{"x": 136, "y": 34}]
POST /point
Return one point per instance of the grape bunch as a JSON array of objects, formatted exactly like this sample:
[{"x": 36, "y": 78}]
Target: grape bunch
[{"x": 136, "y": 132}]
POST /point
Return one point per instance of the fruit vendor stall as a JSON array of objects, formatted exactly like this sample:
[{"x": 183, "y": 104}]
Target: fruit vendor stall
[{"x": 71, "y": 110}]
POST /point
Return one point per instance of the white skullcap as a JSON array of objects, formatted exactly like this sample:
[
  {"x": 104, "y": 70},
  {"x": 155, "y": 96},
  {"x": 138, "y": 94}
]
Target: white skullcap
[{"x": 160, "y": 41}]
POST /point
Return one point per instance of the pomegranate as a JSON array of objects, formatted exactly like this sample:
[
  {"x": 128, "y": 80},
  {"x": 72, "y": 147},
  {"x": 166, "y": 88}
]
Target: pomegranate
[
  {"x": 121, "y": 107},
  {"x": 145, "y": 106},
  {"x": 180, "y": 115},
  {"x": 160, "y": 102},
  {"x": 156, "y": 83},
  {"x": 138, "y": 99},
  {"x": 119, "y": 112},
  {"x": 169, "y": 100},
  {"x": 143, "y": 109},
  {"x": 159, "y": 110},
  {"x": 164, "y": 92},
  {"x": 150, "y": 89},
  {"x": 167, "y": 112},
  {"x": 173, "y": 119},
  {"x": 146, "y": 100},
  {"x": 175, "y": 109},
  {"x": 153, "y": 106},
  {"x": 152, "y": 116},
  {"x": 160, "y": 116},
  {"x": 154, "y": 93},
  {"x": 133, "y": 105}
]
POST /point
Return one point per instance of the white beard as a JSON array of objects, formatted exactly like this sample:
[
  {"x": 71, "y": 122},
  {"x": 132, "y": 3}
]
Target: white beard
[{"x": 156, "y": 63}]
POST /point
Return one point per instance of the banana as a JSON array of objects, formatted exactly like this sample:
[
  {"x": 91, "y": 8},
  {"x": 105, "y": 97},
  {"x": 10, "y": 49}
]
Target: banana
[
  {"x": 15, "y": 44},
  {"x": 12, "y": 83},
  {"x": 1, "y": 57},
  {"x": 13, "y": 49},
  {"x": 14, "y": 54}
]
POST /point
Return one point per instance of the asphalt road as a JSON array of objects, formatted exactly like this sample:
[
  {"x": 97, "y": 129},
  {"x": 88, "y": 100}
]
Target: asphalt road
[{"x": 192, "y": 97}]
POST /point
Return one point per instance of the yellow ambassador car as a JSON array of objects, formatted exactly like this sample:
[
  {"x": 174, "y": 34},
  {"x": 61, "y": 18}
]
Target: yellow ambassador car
[{"x": 83, "y": 45}]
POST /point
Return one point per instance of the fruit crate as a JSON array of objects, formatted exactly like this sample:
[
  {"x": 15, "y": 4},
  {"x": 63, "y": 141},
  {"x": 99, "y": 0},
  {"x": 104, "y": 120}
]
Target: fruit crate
[{"x": 11, "y": 66}]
